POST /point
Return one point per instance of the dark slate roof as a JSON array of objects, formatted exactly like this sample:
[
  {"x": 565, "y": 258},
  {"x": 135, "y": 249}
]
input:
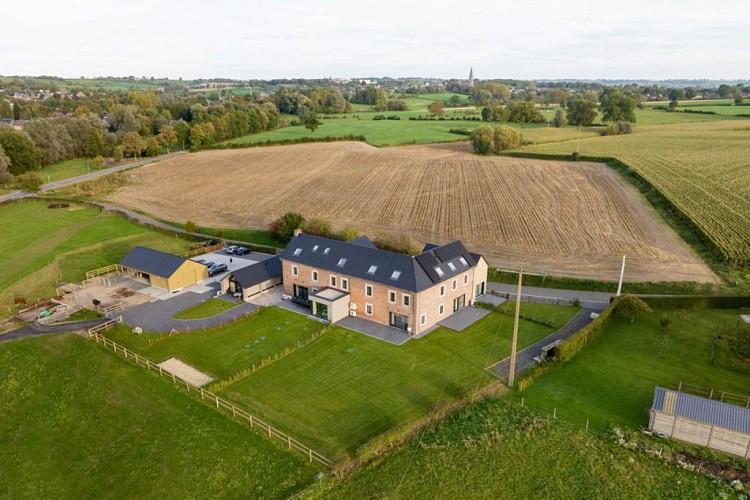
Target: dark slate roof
[
  {"x": 710, "y": 411},
  {"x": 257, "y": 273},
  {"x": 152, "y": 261},
  {"x": 363, "y": 241},
  {"x": 380, "y": 266}
]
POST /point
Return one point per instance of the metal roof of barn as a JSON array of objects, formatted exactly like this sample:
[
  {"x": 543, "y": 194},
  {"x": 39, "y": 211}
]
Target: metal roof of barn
[
  {"x": 365, "y": 261},
  {"x": 701, "y": 409},
  {"x": 151, "y": 261}
]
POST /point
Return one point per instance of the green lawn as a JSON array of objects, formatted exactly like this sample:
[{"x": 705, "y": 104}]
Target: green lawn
[
  {"x": 491, "y": 450},
  {"x": 551, "y": 315},
  {"x": 67, "y": 169},
  {"x": 612, "y": 380},
  {"x": 222, "y": 352},
  {"x": 40, "y": 247},
  {"x": 347, "y": 388},
  {"x": 252, "y": 236},
  {"x": 79, "y": 422},
  {"x": 206, "y": 309}
]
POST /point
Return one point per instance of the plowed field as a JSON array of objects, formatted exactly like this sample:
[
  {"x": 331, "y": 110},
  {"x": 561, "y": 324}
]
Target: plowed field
[{"x": 573, "y": 219}]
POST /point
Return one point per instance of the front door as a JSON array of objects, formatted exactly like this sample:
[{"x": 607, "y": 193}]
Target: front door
[
  {"x": 400, "y": 321},
  {"x": 459, "y": 302}
]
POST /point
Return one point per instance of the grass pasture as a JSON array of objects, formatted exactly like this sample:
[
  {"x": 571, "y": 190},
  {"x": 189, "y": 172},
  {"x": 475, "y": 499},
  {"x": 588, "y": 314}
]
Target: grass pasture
[
  {"x": 40, "y": 247},
  {"x": 701, "y": 168},
  {"x": 206, "y": 309},
  {"x": 492, "y": 450},
  {"x": 222, "y": 352},
  {"x": 346, "y": 388},
  {"x": 612, "y": 380},
  {"x": 79, "y": 422}
]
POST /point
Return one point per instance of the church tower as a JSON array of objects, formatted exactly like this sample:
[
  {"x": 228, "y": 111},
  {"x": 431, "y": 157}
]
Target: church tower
[{"x": 471, "y": 77}]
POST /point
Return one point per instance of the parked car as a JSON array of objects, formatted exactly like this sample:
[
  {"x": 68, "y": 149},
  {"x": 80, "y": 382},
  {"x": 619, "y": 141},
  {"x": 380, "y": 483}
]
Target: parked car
[
  {"x": 231, "y": 249},
  {"x": 201, "y": 261},
  {"x": 216, "y": 269},
  {"x": 242, "y": 250},
  {"x": 208, "y": 263}
]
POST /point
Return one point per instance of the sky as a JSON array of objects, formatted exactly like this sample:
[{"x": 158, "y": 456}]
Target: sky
[{"x": 531, "y": 39}]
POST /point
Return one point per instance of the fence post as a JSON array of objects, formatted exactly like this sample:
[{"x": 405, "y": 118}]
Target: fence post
[
  {"x": 174, "y": 381},
  {"x": 587, "y": 424},
  {"x": 554, "y": 413},
  {"x": 310, "y": 451},
  {"x": 289, "y": 442},
  {"x": 251, "y": 420},
  {"x": 217, "y": 401},
  {"x": 202, "y": 395},
  {"x": 522, "y": 402}
]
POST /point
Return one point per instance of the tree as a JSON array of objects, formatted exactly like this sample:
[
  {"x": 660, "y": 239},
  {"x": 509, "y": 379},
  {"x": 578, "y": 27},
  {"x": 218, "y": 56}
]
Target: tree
[
  {"x": 16, "y": 110},
  {"x": 559, "y": 119},
  {"x": 95, "y": 144},
  {"x": 190, "y": 226},
  {"x": 617, "y": 106},
  {"x": 5, "y": 111},
  {"x": 29, "y": 182},
  {"x": 631, "y": 306},
  {"x": 282, "y": 229},
  {"x": 318, "y": 227},
  {"x": 152, "y": 147},
  {"x": 581, "y": 111},
  {"x": 524, "y": 112},
  {"x": 21, "y": 150},
  {"x": 99, "y": 162},
  {"x": 311, "y": 121},
  {"x": 486, "y": 114},
  {"x": 182, "y": 130},
  {"x": 481, "y": 140},
  {"x": 133, "y": 144},
  {"x": 492, "y": 140},
  {"x": 738, "y": 97},
  {"x": 673, "y": 105},
  {"x": 5, "y": 175},
  {"x": 436, "y": 108},
  {"x": 167, "y": 137},
  {"x": 348, "y": 234}
]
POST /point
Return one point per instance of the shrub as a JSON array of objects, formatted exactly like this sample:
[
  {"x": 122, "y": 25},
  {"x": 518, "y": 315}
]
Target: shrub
[
  {"x": 631, "y": 306},
  {"x": 29, "y": 182},
  {"x": 400, "y": 243},
  {"x": 318, "y": 227},
  {"x": 348, "y": 234},
  {"x": 282, "y": 229},
  {"x": 190, "y": 226},
  {"x": 492, "y": 140}
]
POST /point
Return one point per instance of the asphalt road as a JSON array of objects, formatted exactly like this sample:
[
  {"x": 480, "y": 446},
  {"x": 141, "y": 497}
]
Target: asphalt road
[
  {"x": 594, "y": 300},
  {"x": 16, "y": 195},
  {"x": 35, "y": 329}
]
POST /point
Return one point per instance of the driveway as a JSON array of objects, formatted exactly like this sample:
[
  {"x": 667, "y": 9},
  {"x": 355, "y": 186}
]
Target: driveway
[
  {"x": 157, "y": 315},
  {"x": 35, "y": 329}
]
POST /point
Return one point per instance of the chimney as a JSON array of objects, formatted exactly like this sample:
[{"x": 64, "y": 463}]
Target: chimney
[{"x": 297, "y": 232}]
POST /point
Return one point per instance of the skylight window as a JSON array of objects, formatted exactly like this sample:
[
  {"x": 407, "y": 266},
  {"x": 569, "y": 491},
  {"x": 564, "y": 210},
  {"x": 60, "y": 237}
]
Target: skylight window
[
  {"x": 315, "y": 248},
  {"x": 439, "y": 271},
  {"x": 372, "y": 269},
  {"x": 452, "y": 266},
  {"x": 463, "y": 262},
  {"x": 297, "y": 251},
  {"x": 342, "y": 262},
  {"x": 328, "y": 249},
  {"x": 396, "y": 274}
]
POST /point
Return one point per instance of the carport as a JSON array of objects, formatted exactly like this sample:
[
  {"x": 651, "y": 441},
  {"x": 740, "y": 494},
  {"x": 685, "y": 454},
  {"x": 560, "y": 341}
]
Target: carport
[{"x": 164, "y": 270}]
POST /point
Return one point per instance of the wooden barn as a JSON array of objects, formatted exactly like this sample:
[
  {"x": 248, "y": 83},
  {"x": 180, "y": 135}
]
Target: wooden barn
[
  {"x": 701, "y": 421},
  {"x": 164, "y": 270}
]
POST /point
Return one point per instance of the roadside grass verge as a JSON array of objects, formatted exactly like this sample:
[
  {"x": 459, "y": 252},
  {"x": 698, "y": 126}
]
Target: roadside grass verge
[
  {"x": 78, "y": 422},
  {"x": 347, "y": 388},
  {"x": 612, "y": 380},
  {"x": 210, "y": 307},
  {"x": 223, "y": 352}
]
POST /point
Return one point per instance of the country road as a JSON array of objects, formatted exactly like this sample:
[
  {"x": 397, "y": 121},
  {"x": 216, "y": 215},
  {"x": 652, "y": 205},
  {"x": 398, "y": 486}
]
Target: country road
[{"x": 16, "y": 195}]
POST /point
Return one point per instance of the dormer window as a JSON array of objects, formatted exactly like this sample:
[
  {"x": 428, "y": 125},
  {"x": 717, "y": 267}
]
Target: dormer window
[
  {"x": 463, "y": 262},
  {"x": 396, "y": 274},
  {"x": 372, "y": 269},
  {"x": 297, "y": 251},
  {"x": 315, "y": 248},
  {"x": 439, "y": 271},
  {"x": 342, "y": 262}
]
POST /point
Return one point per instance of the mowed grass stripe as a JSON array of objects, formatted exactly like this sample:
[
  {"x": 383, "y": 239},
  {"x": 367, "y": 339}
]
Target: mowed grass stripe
[{"x": 347, "y": 388}]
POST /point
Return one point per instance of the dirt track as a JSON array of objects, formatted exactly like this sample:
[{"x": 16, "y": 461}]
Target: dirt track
[{"x": 574, "y": 219}]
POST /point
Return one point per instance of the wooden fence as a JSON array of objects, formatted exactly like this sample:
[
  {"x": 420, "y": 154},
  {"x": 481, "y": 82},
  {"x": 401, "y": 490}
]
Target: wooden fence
[
  {"x": 220, "y": 403},
  {"x": 121, "y": 306},
  {"x": 112, "y": 268},
  {"x": 104, "y": 326},
  {"x": 711, "y": 393},
  {"x": 201, "y": 250}
]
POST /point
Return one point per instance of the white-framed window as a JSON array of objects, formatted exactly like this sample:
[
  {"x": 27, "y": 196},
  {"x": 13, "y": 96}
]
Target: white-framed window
[
  {"x": 442, "y": 290},
  {"x": 345, "y": 283},
  {"x": 333, "y": 281},
  {"x": 368, "y": 309},
  {"x": 295, "y": 271},
  {"x": 441, "y": 309},
  {"x": 391, "y": 296},
  {"x": 422, "y": 319},
  {"x": 466, "y": 279},
  {"x": 315, "y": 275},
  {"x": 368, "y": 290},
  {"x": 406, "y": 300},
  {"x": 454, "y": 284}
]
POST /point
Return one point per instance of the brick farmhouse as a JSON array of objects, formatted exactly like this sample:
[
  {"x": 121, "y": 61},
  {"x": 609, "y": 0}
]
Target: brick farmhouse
[{"x": 413, "y": 293}]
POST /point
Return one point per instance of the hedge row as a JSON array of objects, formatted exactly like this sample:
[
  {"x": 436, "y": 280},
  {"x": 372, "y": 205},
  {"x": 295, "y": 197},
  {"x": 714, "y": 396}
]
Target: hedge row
[
  {"x": 566, "y": 350},
  {"x": 286, "y": 142}
]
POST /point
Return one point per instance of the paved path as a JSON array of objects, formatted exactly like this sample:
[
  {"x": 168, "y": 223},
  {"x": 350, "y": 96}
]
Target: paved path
[
  {"x": 35, "y": 329},
  {"x": 17, "y": 195},
  {"x": 593, "y": 300},
  {"x": 525, "y": 357},
  {"x": 156, "y": 316}
]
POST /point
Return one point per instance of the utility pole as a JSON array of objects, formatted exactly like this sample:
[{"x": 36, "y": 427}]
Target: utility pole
[
  {"x": 512, "y": 372},
  {"x": 622, "y": 273}
]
